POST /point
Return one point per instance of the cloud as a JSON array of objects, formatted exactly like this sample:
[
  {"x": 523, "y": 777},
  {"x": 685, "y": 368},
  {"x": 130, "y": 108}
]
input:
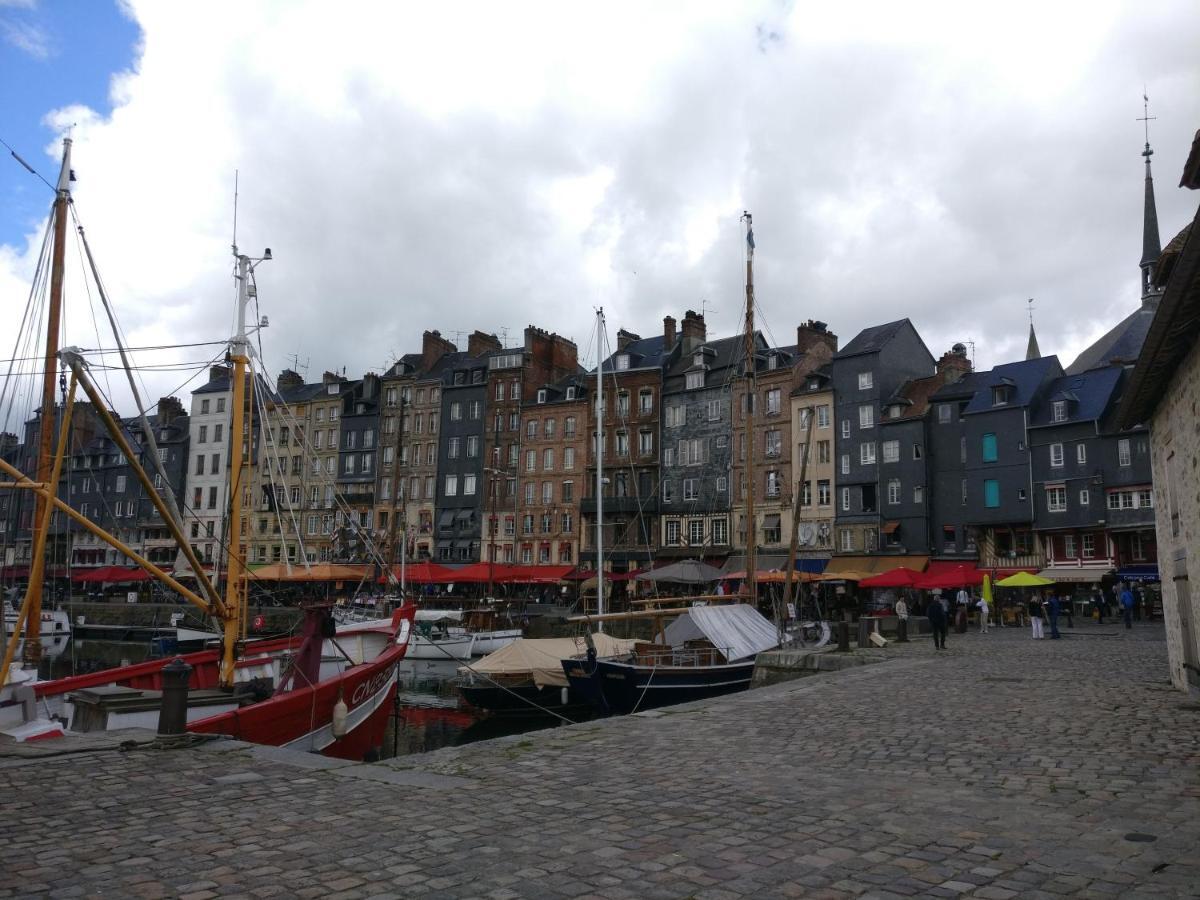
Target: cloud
[
  {"x": 26, "y": 37},
  {"x": 483, "y": 166}
]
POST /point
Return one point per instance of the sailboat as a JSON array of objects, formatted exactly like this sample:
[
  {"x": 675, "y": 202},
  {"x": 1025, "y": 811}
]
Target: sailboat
[
  {"x": 321, "y": 690},
  {"x": 706, "y": 650}
]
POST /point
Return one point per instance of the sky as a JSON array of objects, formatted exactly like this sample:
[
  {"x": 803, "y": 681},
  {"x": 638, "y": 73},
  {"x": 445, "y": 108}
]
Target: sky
[{"x": 466, "y": 166}]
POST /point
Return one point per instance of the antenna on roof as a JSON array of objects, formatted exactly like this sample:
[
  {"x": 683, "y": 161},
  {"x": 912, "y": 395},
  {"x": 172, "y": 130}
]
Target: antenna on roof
[{"x": 300, "y": 368}]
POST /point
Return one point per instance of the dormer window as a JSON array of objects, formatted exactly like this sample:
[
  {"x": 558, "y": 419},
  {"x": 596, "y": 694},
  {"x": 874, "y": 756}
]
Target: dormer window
[
  {"x": 1001, "y": 395},
  {"x": 698, "y": 358},
  {"x": 541, "y": 397},
  {"x": 695, "y": 380},
  {"x": 773, "y": 361},
  {"x": 570, "y": 393},
  {"x": 333, "y": 388},
  {"x": 622, "y": 362},
  {"x": 1058, "y": 411},
  {"x": 895, "y": 411},
  {"x": 813, "y": 384}
]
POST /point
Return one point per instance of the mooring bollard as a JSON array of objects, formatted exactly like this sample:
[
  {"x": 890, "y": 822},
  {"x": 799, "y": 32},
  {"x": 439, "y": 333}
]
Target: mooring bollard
[
  {"x": 172, "y": 715},
  {"x": 864, "y": 632},
  {"x": 902, "y": 631},
  {"x": 843, "y": 630}
]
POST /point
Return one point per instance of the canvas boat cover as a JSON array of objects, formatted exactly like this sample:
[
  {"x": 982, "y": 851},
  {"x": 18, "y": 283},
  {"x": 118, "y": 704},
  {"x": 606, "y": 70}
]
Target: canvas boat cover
[
  {"x": 542, "y": 657},
  {"x": 439, "y": 615},
  {"x": 740, "y": 629}
]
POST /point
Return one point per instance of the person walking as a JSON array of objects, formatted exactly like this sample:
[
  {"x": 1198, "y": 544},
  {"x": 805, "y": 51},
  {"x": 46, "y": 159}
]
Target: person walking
[
  {"x": 1098, "y": 605},
  {"x": 937, "y": 622},
  {"x": 1035, "y": 616},
  {"x": 1055, "y": 608},
  {"x": 962, "y": 606},
  {"x": 984, "y": 610},
  {"x": 1127, "y": 605}
]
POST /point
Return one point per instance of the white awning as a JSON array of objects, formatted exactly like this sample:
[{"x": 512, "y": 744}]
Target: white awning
[{"x": 739, "y": 631}]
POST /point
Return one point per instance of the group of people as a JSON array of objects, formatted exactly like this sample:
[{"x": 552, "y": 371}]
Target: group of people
[{"x": 1043, "y": 610}]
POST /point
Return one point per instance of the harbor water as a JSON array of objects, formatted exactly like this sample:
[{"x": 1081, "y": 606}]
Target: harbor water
[{"x": 428, "y": 713}]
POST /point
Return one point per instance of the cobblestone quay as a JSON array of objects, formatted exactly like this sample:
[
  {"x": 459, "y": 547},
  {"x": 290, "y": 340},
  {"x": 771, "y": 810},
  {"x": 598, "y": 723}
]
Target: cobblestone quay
[{"x": 1002, "y": 767}]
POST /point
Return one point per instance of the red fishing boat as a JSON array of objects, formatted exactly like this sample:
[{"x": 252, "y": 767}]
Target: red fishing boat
[{"x": 322, "y": 690}]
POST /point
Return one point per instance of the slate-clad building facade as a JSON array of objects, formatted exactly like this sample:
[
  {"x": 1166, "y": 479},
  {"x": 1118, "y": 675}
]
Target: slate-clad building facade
[
  {"x": 458, "y": 526},
  {"x": 866, "y": 372}
]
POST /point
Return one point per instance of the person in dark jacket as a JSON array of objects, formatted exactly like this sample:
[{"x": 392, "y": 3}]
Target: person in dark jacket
[
  {"x": 1054, "y": 608},
  {"x": 937, "y": 621}
]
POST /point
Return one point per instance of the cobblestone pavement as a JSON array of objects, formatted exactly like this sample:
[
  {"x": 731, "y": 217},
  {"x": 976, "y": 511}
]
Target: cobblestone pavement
[{"x": 1002, "y": 767}]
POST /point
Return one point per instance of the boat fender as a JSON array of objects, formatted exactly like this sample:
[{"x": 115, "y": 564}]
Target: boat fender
[
  {"x": 338, "y": 724},
  {"x": 564, "y": 695}
]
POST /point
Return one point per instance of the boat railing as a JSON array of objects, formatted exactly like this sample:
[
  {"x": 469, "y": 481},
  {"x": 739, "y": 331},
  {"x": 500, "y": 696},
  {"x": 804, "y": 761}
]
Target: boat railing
[{"x": 683, "y": 656}]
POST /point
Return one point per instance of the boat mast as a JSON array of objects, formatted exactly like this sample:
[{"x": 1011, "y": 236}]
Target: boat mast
[
  {"x": 235, "y": 605},
  {"x": 751, "y": 399},
  {"x": 32, "y": 654},
  {"x": 600, "y": 466}
]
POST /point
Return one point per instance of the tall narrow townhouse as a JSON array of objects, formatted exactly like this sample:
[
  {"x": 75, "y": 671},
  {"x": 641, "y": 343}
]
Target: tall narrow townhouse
[
  {"x": 460, "y": 466},
  {"x": 356, "y": 540},
  {"x": 866, "y": 372},
  {"x": 697, "y": 455},
  {"x": 631, "y": 415},
  {"x": 207, "y": 495},
  {"x": 814, "y": 398},
  {"x": 778, "y": 373}
]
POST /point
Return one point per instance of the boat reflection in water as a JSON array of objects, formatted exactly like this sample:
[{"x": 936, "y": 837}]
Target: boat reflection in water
[{"x": 430, "y": 714}]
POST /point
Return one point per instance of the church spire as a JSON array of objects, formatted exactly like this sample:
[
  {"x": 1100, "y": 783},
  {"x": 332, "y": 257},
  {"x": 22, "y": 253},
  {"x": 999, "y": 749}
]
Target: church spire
[
  {"x": 1151, "y": 245},
  {"x": 1032, "y": 351}
]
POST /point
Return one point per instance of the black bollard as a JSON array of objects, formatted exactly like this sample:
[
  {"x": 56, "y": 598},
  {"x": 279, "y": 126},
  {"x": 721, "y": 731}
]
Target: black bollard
[
  {"x": 864, "y": 633},
  {"x": 902, "y": 631},
  {"x": 172, "y": 715},
  {"x": 843, "y": 631}
]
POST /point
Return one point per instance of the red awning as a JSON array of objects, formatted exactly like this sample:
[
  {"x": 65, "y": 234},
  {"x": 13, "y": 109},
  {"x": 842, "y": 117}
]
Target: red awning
[
  {"x": 578, "y": 574},
  {"x": 624, "y": 576},
  {"x": 424, "y": 572},
  {"x": 899, "y": 577},
  {"x": 538, "y": 574},
  {"x": 949, "y": 574},
  {"x": 481, "y": 573},
  {"x": 113, "y": 575}
]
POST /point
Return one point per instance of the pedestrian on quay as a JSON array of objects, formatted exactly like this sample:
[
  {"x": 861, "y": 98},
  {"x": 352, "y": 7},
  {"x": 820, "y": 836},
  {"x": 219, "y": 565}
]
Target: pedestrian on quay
[
  {"x": 1127, "y": 605},
  {"x": 984, "y": 610},
  {"x": 960, "y": 611},
  {"x": 902, "y": 609},
  {"x": 937, "y": 622},
  {"x": 1035, "y": 616},
  {"x": 1068, "y": 605},
  {"x": 1055, "y": 606},
  {"x": 1098, "y": 606}
]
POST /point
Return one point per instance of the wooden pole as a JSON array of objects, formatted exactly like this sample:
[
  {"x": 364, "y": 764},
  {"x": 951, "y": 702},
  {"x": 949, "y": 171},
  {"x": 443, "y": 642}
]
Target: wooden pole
[
  {"x": 793, "y": 544},
  {"x": 751, "y": 398},
  {"x": 33, "y": 592}
]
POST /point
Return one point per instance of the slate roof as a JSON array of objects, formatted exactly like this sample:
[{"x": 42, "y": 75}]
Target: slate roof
[
  {"x": 1092, "y": 392},
  {"x": 962, "y": 389},
  {"x": 871, "y": 340},
  {"x": 720, "y": 355},
  {"x": 644, "y": 353},
  {"x": 1122, "y": 344},
  {"x": 916, "y": 393},
  {"x": 1025, "y": 377}
]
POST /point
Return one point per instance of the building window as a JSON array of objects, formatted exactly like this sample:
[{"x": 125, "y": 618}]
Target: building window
[
  {"x": 714, "y": 410},
  {"x": 622, "y": 444},
  {"x": 451, "y": 485},
  {"x": 772, "y": 530},
  {"x": 1123, "y": 458},
  {"x": 1000, "y": 395},
  {"x": 845, "y": 499},
  {"x": 1089, "y": 546},
  {"x": 866, "y": 453},
  {"x": 720, "y": 531},
  {"x": 847, "y": 540},
  {"x": 722, "y": 484},
  {"x": 893, "y": 491},
  {"x": 773, "y": 484},
  {"x": 645, "y": 401},
  {"x": 1056, "y": 499},
  {"x": 691, "y": 489},
  {"x": 694, "y": 380},
  {"x": 547, "y": 493},
  {"x": 1058, "y": 411},
  {"x": 675, "y": 416},
  {"x": 1056, "y": 456},
  {"x": 672, "y": 533},
  {"x": 991, "y": 493},
  {"x": 455, "y": 411},
  {"x": 845, "y": 428},
  {"x": 823, "y": 416},
  {"x": 468, "y": 485},
  {"x": 531, "y": 428},
  {"x": 1085, "y": 498},
  {"x": 866, "y": 380},
  {"x": 569, "y": 427},
  {"x": 696, "y": 532},
  {"x": 774, "y": 443},
  {"x": 623, "y": 404},
  {"x": 918, "y": 494},
  {"x": 945, "y": 413},
  {"x": 990, "y": 452},
  {"x": 845, "y": 463},
  {"x": 823, "y": 492},
  {"x": 891, "y": 451},
  {"x": 453, "y": 446},
  {"x": 1069, "y": 546},
  {"x": 773, "y": 402},
  {"x": 866, "y": 416},
  {"x": 530, "y": 460},
  {"x": 548, "y": 459}
]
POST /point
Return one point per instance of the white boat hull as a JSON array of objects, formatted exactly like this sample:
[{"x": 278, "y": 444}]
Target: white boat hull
[
  {"x": 455, "y": 646},
  {"x": 489, "y": 641},
  {"x": 54, "y": 621}
]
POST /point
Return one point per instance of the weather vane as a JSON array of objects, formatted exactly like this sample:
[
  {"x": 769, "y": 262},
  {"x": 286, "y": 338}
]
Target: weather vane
[{"x": 1146, "y": 119}]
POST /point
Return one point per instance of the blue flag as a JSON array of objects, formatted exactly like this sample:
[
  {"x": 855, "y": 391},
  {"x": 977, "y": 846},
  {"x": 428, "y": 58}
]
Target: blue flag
[{"x": 750, "y": 239}]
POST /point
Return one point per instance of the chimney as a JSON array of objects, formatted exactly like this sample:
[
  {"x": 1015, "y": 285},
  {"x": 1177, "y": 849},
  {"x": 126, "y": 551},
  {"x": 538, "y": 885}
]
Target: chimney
[
  {"x": 332, "y": 378},
  {"x": 812, "y": 333},
  {"x": 668, "y": 333},
  {"x": 954, "y": 364},
  {"x": 169, "y": 409},
  {"x": 625, "y": 338},
  {"x": 217, "y": 373},
  {"x": 289, "y": 380},
  {"x": 693, "y": 331},
  {"x": 433, "y": 348},
  {"x": 370, "y": 385},
  {"x": 480, "y": 343}
]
